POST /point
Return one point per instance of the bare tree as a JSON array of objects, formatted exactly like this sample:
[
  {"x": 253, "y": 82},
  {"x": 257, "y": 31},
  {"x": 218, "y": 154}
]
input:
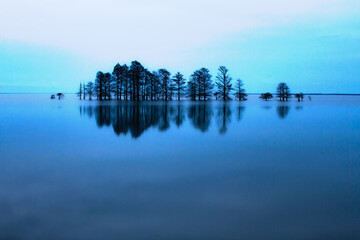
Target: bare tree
[
  {"x": 283, "y": 91},
  {"x": 90, "y": 90},
  {"x": 84, "y": 90},
  {"x": 223, "y": 84},
  {"x": 108, "y": 80},
  {"x": 80, "y": 92},
  {"x": 205, "y": 84},
  {"x": 179, "y": 85},
  {"x": 240, "y": 91},
  {"x": 100, "y": 85},
  {"x": 191, "y": 89},
  {"x": 164, "y": 76}
]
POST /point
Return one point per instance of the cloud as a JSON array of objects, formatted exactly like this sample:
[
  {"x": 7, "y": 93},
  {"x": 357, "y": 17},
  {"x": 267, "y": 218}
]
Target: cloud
[{"x": 158, "y": 29}]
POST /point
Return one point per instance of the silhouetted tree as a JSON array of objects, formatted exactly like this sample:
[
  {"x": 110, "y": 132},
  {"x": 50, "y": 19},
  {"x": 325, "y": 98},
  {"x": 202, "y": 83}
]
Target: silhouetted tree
[
  {"x": 171, "y": 89},
  {"x": 195, "y": 84},
  {"x": 191, "y": 89},
  {"x": 266, "y": 96},
  {"x": 203, "y": 83},
  {"x": 136, "y": 74},
  {"x": 155, "y": 86},
  {"x": 179, "y": 85},
  {"x": 117, "y": 82},
  {"x": 125, "y": 80},
  {"x": 283, "y": 91},
  {"x": 84, "y": 96},
  {"x": 240, "y": 91},
  {"x": 108, "y": 83},
  {"x": 90, "y": 89},
  {"x": 299, "y": 96},
  {"x": 80, "y": 92},
  {"x": 60, "y": 95},
  {"x": 206, "y": 83},
  {"x": 100, "y": 85},
  {"x": 164, "y": 76},
  {"x": 223, "y": 84}
]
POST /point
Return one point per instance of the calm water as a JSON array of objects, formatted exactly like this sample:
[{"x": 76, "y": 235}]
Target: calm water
[{"x": 256, "y": 170}]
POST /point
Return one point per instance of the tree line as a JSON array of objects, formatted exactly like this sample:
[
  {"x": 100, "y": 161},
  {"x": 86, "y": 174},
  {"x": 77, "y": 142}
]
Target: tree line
[{"x": 137, "y": 83}]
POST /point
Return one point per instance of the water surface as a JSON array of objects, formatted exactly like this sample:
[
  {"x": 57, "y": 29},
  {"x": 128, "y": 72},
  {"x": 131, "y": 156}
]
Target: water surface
[{"x": 72, "y": 169}]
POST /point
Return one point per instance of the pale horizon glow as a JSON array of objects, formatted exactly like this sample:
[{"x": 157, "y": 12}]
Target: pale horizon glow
[{"x": 262, "y": 42}]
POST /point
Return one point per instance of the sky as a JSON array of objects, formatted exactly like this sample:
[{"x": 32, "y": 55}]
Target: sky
[{"x": 50, "y": 46}]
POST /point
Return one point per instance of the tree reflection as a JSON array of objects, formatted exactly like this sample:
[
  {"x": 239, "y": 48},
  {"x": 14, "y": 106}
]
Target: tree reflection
[
  {"x": 283, "y": 111},
  {"x": 178, "y": 115},
  {"x": 135, "y": 118},
  {"x": 240, "y": 112},
  {"x": 200, "y": 116},
  {"x": 223, "y": 117}
]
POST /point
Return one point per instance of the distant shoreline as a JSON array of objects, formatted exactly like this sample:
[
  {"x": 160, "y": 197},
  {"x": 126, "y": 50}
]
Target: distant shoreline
[{"x": 325, "y": 94}]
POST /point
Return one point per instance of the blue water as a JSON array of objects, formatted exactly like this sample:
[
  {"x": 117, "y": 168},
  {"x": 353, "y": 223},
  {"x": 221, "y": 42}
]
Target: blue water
[{"x": 71, "y": 169}]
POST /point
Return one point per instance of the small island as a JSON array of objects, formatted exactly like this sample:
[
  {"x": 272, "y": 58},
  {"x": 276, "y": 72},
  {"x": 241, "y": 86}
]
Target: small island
[{"x": 137, "y": 83}]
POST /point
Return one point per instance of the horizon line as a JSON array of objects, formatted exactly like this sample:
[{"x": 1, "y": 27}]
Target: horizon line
[{"x": 247, "y": 93}]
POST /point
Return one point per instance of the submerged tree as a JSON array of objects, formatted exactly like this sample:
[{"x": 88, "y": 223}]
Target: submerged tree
[
  {"x": 206, "y": 83},
  {"x": 283, "y": 92},
  {"x": 223, "y": 84},
  {"x": 84, "y": 96},
  {"x": 89, "y": 90},
  {"x": 171, "y": 89},
  {"x": 191, "y": 89},
  {"x": 240, "y": 91},
  {"x": 203, "y": 83},
  {"x": 299, "y": 96},
  {"x": 155, "y": 90},
  {"x": 266, "y": 96},
  {"x": 80, "y": 92},
  {"x": 117, "y": 76},
  {"x": 99, "y": 85},
  {"x": 164, "y": 77},
  {"x": 179, "y": 85},
  {"x": 107, "y": 87},
  {"x": 136, "y": 76},
  {"x": 60, "y": 95}
]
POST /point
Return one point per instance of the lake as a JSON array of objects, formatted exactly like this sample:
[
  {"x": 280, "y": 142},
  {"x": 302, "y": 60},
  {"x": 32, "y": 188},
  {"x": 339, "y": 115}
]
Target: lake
[{"x": 74, "y": 169}]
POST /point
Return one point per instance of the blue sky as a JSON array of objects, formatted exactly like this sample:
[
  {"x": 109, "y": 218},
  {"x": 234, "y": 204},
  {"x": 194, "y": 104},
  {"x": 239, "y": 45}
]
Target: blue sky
[{"x": 312, "y": 45}]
